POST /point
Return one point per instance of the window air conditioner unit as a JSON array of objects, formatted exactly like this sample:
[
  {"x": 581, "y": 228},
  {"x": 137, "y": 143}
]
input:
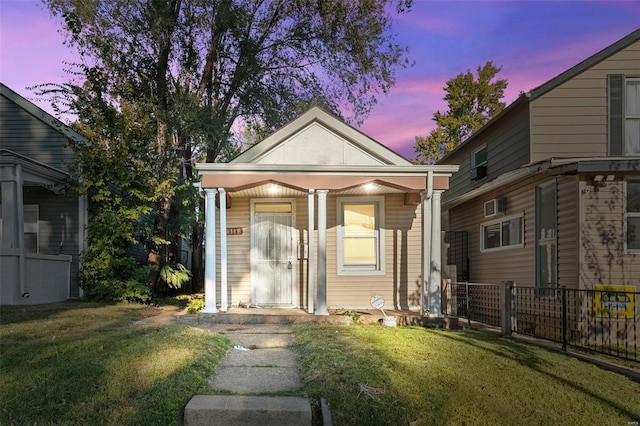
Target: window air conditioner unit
[
  {"x": 478, "y": 172},
  {"x": 495, "y": 206}
]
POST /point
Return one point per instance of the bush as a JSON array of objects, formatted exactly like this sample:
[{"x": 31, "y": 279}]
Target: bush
[
  {"x": 113, "y": 277},
  {"x": 196, "y": 304}
]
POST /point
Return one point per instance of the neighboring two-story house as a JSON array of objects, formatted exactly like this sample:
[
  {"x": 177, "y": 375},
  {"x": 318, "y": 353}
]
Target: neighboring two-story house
[
  {"x": 42, "y": 223},
  {"x": 548, "y": 192}
]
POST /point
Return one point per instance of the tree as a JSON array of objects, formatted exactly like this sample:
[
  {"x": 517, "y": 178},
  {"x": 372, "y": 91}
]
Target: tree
[
  {"x": 472, "y": 103},
  {"x": 203, "y": 69}
]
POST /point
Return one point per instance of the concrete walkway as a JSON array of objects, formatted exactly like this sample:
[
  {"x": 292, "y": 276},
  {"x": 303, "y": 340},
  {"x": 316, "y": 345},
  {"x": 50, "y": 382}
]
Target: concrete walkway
[{"x": 260, "y": 362}]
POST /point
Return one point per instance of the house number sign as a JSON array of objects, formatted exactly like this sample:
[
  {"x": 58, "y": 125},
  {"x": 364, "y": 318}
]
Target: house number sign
[{"x": 234, "y": 231}]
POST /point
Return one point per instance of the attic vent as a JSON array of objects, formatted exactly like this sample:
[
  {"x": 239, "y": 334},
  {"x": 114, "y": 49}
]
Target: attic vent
[{"x": 495, "y": 206}]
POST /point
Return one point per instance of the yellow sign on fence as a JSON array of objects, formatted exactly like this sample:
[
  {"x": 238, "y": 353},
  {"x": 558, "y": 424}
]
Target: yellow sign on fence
[{"x": 615, "y": 301}]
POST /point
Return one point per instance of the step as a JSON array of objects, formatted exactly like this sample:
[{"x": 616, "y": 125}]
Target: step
[{"x": 232, "y": 410}]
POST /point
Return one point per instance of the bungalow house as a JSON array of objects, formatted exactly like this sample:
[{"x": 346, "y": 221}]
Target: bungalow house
[
  {"x": 42, "y": 227},
  {"x": 319, "y": 216},
  {"x": 548, "y": 192}
]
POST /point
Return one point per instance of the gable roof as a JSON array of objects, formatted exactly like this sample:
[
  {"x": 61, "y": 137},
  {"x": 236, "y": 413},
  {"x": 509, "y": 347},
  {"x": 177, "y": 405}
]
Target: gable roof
[
  {"x": 39, "y": 113},
  {"x": 553, "y": 83},
  {"x": 355, "y": 145},
  {"x": 584, "y": 65}
]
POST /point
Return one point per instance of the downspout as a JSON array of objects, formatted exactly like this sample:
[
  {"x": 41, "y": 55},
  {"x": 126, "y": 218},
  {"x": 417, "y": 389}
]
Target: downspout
[{"x": 429, "y": 185}]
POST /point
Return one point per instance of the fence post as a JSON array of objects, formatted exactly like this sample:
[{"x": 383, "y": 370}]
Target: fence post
[
  {"x": 466, "y": 299},
  {"x": 563, "y": 292},
  {"x": 508, "y": 310}
]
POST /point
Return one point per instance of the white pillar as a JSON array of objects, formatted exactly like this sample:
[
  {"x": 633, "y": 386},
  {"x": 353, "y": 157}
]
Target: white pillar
[
  {"x": 223, "y": 249},
  {"x": 322, "y": 253},
  {"x": 13, "y": 221},
  {"x": 210, "y": 253},
  {"x": 425, "y": 264},
  {"x": 435, "y": 308},
  {"x": 311, "y": 252}
]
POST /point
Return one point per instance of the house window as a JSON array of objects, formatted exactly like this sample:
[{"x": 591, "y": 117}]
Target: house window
[
  {"x": 632, "y": 116},
  {"x": 632, "y": 216},
  {"x": 500, "y": 234},
  {"x": 479, "y": 163},
  {"x": 624, "y": 115},
  {"x": 546, "y": 236},
  {"x": 30, "y": 217},
  {"x": 360, "y": 235}
]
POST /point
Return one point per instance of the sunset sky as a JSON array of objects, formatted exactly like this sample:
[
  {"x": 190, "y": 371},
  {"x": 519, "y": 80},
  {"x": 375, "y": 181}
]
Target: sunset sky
[{"x": 533, "y": 41}]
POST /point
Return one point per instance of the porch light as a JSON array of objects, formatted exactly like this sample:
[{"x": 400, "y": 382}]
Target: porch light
[{"x": 369, "y": 186}]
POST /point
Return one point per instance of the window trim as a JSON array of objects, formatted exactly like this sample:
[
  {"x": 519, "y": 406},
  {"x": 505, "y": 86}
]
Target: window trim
[
  {"x": 625, "y": 117},
  {"x": 616, "y": 115},
  {"x": 500, "y": 220},
  {"x": 379, "y": 268},
  {"x": 627, "y": 214},
  {"x": 473, "y": 157}
]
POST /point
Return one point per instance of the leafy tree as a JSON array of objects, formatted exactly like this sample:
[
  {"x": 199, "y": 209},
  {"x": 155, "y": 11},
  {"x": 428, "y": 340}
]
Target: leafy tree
[
  {"x": 201, "y": 72},
  {"x": 472, "y": 103}
]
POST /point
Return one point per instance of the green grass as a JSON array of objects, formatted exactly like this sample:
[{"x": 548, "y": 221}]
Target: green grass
[
  {"x": 83, "y": 363},
  {"x": 373, "y": 375}
]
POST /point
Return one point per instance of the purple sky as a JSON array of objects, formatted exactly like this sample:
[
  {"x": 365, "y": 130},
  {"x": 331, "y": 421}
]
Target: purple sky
[{"x": 533, "y": 42}]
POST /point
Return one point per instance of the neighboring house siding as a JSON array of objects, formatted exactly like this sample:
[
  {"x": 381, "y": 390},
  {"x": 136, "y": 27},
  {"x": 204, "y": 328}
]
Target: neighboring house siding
[
  {"x": 28, "y": 135},
  {"x": 517, "y": 264},
  {"x": 571, "y": 119},
  {"x": 568, "y": 228},
  {"x": 601, "y": 238},
  {"x": 507, "y": 149}
]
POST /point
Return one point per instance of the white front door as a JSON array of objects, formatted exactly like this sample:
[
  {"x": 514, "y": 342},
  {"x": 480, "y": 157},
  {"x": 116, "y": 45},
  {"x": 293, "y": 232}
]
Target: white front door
[{"x": 273, "y": 253}]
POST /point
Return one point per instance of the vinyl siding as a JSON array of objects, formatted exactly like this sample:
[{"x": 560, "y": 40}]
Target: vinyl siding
[
  {"x": 238, "y": 253},
  {"x": 399, "y": 285},
  {"x": 571, "y": 120},
  {"x": 25, "y": 134},
  {"x": 517, "y": 264},
  {"x": 601, "y": 237},
  {"x": 507, "y": 149},
  {"x": 568, "y": 231}
]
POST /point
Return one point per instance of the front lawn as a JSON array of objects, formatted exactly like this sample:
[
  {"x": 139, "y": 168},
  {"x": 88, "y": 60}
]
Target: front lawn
[
  {"x": 374, "y": 375},
  {"x": 82, "y": 363}
]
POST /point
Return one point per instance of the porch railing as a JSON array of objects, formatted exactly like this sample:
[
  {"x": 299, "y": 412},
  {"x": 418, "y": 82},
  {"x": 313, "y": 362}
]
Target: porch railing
[{"x": 600, "y": 320}]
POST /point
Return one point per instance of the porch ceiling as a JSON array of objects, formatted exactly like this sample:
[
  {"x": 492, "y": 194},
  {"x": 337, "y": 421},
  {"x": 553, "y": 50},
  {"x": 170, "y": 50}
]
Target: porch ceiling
[{"x": 276, "y": 189}]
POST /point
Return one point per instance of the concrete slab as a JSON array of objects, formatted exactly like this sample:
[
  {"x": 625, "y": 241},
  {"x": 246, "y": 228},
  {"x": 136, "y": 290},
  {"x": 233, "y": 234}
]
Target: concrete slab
[
  {"x": 248, "y": 328},
  {"x": 248, "y": 380},
  {"x": 262, "y": 340},
  {"x": 226, "y": 410},
  {"x": 281, "y": 357}
]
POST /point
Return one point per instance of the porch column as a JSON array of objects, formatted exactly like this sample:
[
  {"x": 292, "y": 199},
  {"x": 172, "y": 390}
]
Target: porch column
[
  {"x": 425, "y": 260},
  {"x": 311, "y": 252},
  {"x": 210, "y": 253},
  {"x": 435, "y": 308},
  {"x": 322, "y": 253},
  {"x": 222, "y": 195},
  {"x": 13, "y": 221}
]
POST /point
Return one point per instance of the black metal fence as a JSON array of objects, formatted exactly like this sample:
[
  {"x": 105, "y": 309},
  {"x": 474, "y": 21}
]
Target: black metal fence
[{"x": 604, "y": 320}]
